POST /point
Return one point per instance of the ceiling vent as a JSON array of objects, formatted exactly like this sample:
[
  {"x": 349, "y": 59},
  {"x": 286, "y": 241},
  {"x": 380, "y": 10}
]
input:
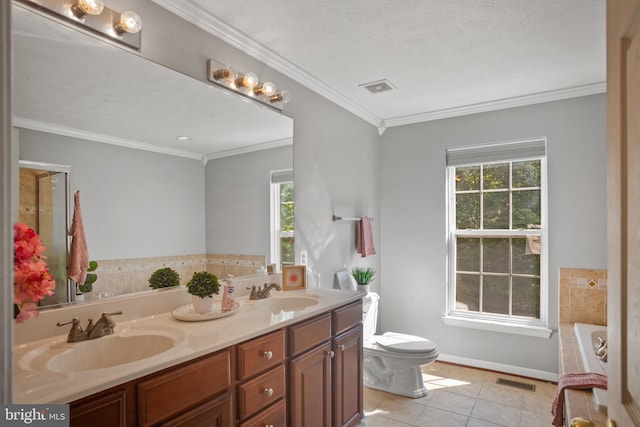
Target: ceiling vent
[{"x": 378, "y": 86}]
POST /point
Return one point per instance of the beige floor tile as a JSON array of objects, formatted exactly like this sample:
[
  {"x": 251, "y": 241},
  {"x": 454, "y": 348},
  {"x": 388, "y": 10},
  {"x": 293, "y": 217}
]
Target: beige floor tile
[
  {"x": 377, "y": 419},
  {"x": 502, "y": 394},
  {"x": 437, "y": 417},
  {"x": 403, "y": 410},
  {"x": 496, "y": 413},
  {"x": 535, "y": 419},
  {"x": 451, "y": 402},
  {"x": 474, "y": 422}
]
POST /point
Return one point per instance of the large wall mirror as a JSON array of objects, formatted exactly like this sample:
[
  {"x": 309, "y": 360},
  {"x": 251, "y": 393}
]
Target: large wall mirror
[{"x": 171, "y": 171}]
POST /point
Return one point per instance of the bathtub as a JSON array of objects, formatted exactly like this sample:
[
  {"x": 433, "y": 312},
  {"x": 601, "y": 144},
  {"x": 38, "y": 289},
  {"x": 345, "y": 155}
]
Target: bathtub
[{"x": 587, "y": 336}]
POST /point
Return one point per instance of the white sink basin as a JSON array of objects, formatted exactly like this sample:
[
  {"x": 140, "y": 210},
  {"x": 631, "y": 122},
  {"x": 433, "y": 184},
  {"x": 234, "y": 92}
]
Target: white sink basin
[
  {"x": 277, "y": 304},
  {"x": 127, "y": 346}
]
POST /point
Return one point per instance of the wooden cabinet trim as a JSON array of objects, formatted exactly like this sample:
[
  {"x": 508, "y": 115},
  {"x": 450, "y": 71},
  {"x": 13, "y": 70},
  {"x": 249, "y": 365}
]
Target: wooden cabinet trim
[
  {"x": 347, "y": 317},
  {"x": 172, "y": 392},
  {"x": 109, "y": 409},
  {"x": 253, "y": 395},
  {"x": 252, "y": 358},
  {"x": 275, "y": 415},
  {"x": 216, "y": 413},
  {"x": 308, "y": 334}
]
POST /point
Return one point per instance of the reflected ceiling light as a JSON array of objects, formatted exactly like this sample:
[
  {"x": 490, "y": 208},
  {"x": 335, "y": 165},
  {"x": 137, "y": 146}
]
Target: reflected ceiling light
[
  {"x": 183, "y": 138},
  {"x": 129, "y": 22},
  {"x": 249, "y": 80},
  {"x": 266, "y": 89},
  {"x": 246, "y": 85},
  {"x": 87, "y": 7},
  {"x": 123, "y": 28}
]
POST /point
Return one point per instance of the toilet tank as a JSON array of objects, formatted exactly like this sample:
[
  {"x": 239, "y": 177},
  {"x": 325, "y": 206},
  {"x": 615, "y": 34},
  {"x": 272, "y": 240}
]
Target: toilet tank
[{"x": 370, "y": 314}]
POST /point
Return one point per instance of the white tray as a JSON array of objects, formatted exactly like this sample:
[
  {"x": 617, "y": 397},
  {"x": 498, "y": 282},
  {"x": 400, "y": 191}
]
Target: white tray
[{"x": 186, "y": 313}]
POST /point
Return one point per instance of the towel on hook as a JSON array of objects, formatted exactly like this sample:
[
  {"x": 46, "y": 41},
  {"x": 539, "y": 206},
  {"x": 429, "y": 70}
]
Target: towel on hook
[
  {"x": 365, "y": 237},
  {"x": 79, "y": 262},
  {"x": 577, "y": 382}
]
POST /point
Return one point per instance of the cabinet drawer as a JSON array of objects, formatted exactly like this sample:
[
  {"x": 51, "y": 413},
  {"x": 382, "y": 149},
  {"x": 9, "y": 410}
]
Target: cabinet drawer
[
  {"x": 217, "y": 413},
  {"x": 260, "y": 392},
  {"x": 260, "y": 354},
  {"x": 347, "y": 317},
  {"x": 174, "y": 392},
  {"x": 309, "y": 334},
  {"x": 275, "y": 416}
]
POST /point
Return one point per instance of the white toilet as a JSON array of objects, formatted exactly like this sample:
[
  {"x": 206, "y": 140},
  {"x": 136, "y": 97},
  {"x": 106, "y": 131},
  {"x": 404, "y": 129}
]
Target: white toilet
[{"x": 392, "y": 360}]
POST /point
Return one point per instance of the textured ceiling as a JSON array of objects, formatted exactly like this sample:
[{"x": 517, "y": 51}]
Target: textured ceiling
[{"x": 445, "y": 58}]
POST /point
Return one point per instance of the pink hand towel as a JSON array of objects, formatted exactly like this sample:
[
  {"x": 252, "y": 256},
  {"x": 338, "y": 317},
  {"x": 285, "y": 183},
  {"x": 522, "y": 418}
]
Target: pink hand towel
[
  {"x": 79, "y": 262},
  {"x": 365, "y": 237},
  {"x": 576, "y": 382}
]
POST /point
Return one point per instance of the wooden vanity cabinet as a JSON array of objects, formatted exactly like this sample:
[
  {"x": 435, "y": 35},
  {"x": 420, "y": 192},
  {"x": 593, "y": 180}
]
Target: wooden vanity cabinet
[
  {"x": 308, "y": 374},
  {"x": 325, "y": 371}
]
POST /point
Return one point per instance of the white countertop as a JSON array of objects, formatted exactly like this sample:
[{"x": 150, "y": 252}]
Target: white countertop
[{"x": 37, "y": 384}]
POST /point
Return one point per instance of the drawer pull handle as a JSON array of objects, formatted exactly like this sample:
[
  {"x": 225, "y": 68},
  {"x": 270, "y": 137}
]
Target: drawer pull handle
[
  {"x": 342, "y": 347},
  {"x": 268, "y": 392},
  {"x": 267, "y": 355},
  {"x": 268, "y": 425},
  {"x": 330, "y": 353}
]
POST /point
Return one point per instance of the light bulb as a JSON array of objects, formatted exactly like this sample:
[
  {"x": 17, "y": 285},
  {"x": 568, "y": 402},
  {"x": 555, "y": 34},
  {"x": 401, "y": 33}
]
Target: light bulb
[
  {"x": 87, "y": 7},
  {"x": 249, "y": 80},
  {"x": 129, "y": 22},
  {"x": 226, "y": 74},
  {"x": 267, "y": 89},
  {"x": 283, "y": 97}
]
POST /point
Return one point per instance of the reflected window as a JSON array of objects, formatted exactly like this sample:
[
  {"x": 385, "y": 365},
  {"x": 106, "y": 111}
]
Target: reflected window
[
  {"x": 282, "y": 219},
  {"x": 497, "y": 221}
]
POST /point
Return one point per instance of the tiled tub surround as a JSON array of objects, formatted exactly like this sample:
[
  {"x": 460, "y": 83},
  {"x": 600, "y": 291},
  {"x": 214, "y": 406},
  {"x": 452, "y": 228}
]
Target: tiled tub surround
[
  {"x": 583, "y": 299},
  {"x": 125, "y": 276},
  {"x": 152, "y": 310},
  {"x": 583, "y": 296}
]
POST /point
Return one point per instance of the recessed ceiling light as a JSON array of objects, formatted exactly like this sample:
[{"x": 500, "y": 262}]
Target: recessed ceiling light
[{"x": 183, "y": 138}]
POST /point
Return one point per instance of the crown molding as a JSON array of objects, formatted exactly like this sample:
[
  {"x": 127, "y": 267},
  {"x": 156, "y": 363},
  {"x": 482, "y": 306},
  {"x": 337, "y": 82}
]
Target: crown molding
[
  {"x": 21, "y": 122},
  {"x": 199, "y": 16},
  {"x": 248, "y": 149},
  {"x": 501, "y": 104}
]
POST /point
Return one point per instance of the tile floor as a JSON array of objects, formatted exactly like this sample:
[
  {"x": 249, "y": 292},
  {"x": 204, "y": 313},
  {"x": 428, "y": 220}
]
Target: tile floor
[{"x": 465, "y": 397}]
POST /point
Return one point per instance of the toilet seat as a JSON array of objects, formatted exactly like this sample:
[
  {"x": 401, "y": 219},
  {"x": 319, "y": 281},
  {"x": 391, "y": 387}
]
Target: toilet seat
[{"x": 404, "y": 343}]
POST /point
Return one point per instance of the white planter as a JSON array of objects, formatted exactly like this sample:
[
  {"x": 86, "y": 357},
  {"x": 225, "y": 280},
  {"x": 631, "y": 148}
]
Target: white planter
[
  {"x": 202, "y": 305},
  {"x": 363, "y": 288}
]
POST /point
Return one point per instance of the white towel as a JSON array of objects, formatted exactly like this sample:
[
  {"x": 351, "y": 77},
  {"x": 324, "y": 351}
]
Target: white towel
[{"x": 79, "y": 262}]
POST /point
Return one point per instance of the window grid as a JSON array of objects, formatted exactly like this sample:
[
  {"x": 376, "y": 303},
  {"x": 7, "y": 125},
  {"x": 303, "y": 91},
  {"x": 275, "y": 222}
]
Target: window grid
[{"x": 484, "y": 233}]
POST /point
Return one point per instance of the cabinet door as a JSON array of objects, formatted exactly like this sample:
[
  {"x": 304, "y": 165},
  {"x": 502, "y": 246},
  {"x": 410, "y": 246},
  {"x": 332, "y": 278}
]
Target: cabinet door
[
  {"x": 217, "y": 413},
  {"x": 310, "y": 388},
  {"x": 104, "y": 409},
  {"x": 347, "y": 378}
]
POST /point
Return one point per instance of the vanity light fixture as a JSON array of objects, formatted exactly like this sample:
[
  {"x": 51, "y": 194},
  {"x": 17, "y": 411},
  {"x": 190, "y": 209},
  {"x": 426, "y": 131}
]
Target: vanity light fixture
[
  {"x": 87, "y": 7},
  {"x": 247, "y": 85},
  {"x": 249, "y": 80},
  {"x": 94, "y": 16},
  {"x": 129, "y": 22},
  {"x": 266, "y": 89}
]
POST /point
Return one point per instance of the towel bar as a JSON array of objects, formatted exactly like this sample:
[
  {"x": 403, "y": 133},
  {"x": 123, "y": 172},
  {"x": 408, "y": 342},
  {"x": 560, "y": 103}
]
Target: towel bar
[{"x": 339, "y": 218}]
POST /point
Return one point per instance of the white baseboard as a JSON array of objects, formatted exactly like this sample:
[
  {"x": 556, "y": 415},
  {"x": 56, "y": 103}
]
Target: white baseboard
[{"x": 500, "y": 367}]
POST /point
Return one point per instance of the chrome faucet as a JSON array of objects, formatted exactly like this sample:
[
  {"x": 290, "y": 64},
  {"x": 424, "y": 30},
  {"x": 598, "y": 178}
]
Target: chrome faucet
[
  {"x": 262, "y": 293},
  {"x": 104, "y": 326}
]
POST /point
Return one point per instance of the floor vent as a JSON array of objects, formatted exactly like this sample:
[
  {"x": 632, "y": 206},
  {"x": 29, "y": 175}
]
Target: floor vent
[{"x": 516, "y": 384}]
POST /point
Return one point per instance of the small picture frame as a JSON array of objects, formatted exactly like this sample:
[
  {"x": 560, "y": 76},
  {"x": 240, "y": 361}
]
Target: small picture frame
[{"x": 294, "y": 277}]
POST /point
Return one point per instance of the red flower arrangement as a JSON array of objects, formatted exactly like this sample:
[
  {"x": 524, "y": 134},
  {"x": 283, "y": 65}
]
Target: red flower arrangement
[{"x": 31, "y": 278}]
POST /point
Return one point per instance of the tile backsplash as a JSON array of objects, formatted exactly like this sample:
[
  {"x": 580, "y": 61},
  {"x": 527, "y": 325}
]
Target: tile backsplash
[
  {"x": 124, "y": 276},
  {"x": 583, "y": 296}
]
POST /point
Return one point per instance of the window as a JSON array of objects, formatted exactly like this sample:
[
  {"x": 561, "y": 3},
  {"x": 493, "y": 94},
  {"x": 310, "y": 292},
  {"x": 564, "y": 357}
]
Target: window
[
  {"x": 282, "y": 219},
  {"x": 497, "y": 233}
]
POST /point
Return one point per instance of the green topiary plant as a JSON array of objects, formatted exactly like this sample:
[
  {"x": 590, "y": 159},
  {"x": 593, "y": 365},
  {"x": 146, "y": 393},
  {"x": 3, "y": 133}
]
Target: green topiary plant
[
  {"x": 363, "y": 276},
  {"x": 203, "y": 284},
  {"x": 164, "y": 278},
  {"x": 87, "y": 286}
]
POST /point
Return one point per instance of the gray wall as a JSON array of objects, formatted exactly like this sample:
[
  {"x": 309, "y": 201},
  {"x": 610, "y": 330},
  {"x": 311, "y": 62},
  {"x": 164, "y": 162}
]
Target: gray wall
[
  {"x": 237, "y": 198},
  {"x": 134, "y": 203},
  {"x": 414, "y": 222}
]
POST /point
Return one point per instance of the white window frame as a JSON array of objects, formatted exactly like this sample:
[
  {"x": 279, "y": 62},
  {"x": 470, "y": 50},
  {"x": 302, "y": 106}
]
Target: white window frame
[
  {"x": 486, "y": 154},
  {"x": 276, "y": 233}
]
